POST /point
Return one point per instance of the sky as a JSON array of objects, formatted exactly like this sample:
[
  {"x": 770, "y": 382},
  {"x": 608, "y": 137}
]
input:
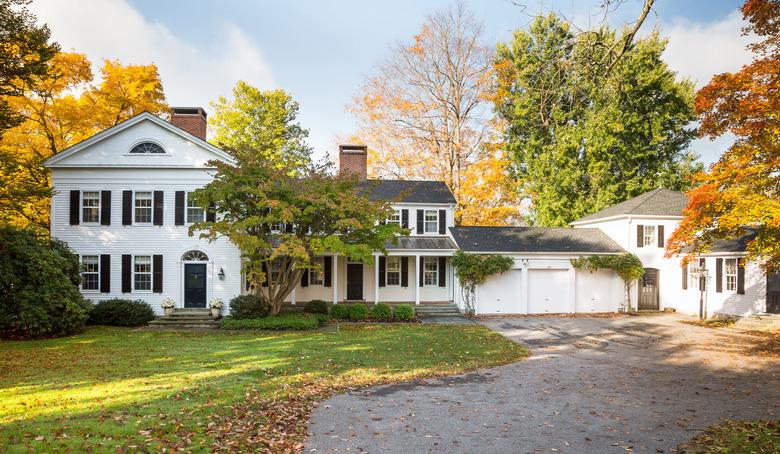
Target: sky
[{"x": 321, "y": 51}]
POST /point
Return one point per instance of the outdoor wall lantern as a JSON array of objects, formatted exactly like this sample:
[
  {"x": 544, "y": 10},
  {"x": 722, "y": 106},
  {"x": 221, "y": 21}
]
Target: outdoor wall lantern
[{"x": 221, "y": 274}]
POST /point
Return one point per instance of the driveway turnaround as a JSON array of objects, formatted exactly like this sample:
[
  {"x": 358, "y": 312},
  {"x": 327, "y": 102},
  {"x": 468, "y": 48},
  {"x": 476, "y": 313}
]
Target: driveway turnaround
[{"x": 625, "y": 384}]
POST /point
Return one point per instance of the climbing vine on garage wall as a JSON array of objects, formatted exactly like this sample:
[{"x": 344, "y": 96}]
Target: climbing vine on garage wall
[
  {"x": 474, "y": 269},
  {"x": 627, "y": 266}
]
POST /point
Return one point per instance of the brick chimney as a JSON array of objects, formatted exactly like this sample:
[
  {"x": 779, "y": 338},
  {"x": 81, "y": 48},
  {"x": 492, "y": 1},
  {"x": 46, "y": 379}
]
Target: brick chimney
[
  {"x": 352, "y": 159},
  {"x": 190, "y": 119}
]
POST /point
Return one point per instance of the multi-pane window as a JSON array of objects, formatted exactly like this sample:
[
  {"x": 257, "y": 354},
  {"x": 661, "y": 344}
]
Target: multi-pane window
[
  {"x": 90, "y": 206},
  {"x": 278, "y": 227},
  {"x": 431, "y": 221},
  {"x": 731, "y": 274},
  {"x": 693, "y": 274},
  {"x": 393, "y": 271},
  {"x": 143, "y": 207},
  {"x": 90, "y": 272},
  {"x": 276, "y": 269},
  {"x": 649, "y": 235},
  {"x": 316, "y": 275},
  {"x": 395, "y": 218},
  {"x": 194, "y": 212},
  {"x": 142, "y": 272},
  {"x": 430, "y": 270}
]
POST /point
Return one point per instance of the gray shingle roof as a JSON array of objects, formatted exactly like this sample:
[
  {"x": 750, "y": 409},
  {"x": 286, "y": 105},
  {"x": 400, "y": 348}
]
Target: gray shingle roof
[
  {"x": 533, "y": 240},
  {"x": 738, "y": 244},
  {"x": 658, "y": 202},
  {"x": 421, "y": 242},
  {"x": 409, "y": 191}
]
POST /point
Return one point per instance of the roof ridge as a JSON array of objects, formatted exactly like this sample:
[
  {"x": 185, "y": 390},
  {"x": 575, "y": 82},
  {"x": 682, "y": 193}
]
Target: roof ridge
[{"x": 650, "y": 195}]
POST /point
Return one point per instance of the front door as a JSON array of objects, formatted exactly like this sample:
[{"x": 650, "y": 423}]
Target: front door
[
  {"x": 648, "y": 290},
  {"x": 773, "y": 292},
  {"x": 194, "y": 285},
  {"x": 354, "y": 281}
]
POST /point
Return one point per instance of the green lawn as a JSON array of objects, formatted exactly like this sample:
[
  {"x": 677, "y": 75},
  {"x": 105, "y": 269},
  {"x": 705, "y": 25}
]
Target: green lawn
[{"x": 114, "y": 388}]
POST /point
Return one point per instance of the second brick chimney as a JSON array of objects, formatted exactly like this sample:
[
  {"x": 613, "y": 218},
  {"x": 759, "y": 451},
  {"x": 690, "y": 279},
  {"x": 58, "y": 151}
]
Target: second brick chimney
[
  {"x": 190, "y": 119},
  {"x": 353, "y": 159}
]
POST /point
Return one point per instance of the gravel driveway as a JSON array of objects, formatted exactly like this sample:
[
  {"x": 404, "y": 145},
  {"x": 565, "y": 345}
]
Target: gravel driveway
[{"x": 626, "y": 384}]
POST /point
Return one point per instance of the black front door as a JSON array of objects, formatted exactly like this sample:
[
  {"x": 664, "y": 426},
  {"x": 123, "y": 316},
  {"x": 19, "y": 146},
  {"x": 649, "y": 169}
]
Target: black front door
[
  {"x": 773, "y": 292},
  {"x": 648, "y": 290},
  {"x": 354, "y": 281},
  {"x": 194, "y": 285}
]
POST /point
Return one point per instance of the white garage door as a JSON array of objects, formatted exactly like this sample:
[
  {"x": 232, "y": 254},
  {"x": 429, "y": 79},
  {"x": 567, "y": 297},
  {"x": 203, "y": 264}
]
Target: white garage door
[
  {"x": 598, "y": 291},
  {"x": 548, "y": 292},
  {"x": 500, "y": 294}
]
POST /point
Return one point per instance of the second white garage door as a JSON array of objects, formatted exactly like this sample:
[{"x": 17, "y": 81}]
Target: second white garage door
[{"x": 548, "y": 292}]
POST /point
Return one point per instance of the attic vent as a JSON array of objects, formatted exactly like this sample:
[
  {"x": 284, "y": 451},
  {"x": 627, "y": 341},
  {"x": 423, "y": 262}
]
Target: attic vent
[{"x": 147, "y": 147}]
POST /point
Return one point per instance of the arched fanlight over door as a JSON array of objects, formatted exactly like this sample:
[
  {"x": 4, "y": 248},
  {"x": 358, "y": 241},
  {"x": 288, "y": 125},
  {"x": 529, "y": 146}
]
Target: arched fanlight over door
[{"x": 195, "y": 256}]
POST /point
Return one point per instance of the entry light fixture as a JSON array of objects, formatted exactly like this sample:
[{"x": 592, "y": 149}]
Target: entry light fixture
[{"x": 221, "y": 274}]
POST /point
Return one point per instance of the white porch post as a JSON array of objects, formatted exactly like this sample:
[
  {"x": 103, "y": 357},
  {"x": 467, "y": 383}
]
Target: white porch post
[
  {"x": 417, "y": 282},
  {"x": 335, "y": 283},
  {"x": 376, "y": 279},
  {"x": 292, "y": 296}
]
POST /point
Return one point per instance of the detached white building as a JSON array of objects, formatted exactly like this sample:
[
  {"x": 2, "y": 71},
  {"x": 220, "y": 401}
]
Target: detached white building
[{"x": 121, "y": 202}]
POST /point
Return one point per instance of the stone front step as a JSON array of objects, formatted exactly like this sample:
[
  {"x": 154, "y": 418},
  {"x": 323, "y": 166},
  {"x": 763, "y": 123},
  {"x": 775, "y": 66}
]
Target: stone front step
[
  {"x": 187, "y": 318},
  {"x": 448, "y": 310}
]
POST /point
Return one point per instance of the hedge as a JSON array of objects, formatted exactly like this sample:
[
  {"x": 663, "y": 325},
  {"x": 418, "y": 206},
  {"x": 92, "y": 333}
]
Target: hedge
[
  {"x": 284, "y": 321},
  {"x": 248, "y": 307},
  {"x": 121, "y": 312}
]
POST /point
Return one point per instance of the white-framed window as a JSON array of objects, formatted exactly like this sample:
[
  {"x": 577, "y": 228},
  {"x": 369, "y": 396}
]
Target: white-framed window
[
  {"x": 395, "y": 218},
  {"x": 393, "y": 271},
  {"x": 142, "y": 272},
  {"x": 316, "y": 275},
  {"x": 431, "y": 221},
  {"x": 194, "y": 212},
  {"x": 730, "y": 272},
  {"x": 275, "y": 271},
  {"x": 278, "y": 227},
  {"x": 143, "y": 207},
  {"x": 649, "y": 235},
  {"x": 693, "y": 274},
  {"x": 90, "y": 273},
  {"x": 430, "y": 271},
  {"x": 90, "y": 207},
  {"x": 147, "y": 148}
]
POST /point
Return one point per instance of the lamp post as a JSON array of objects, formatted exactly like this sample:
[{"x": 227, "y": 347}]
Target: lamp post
[{"x": 702, "y": 288}]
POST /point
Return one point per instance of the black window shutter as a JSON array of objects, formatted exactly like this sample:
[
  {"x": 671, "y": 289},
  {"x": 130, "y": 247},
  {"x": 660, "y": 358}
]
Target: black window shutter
[
  {"x": 404, "y": 271},
  {"x": 420, "y": 222},
  {"x": 420, "y": 271},
  {"x": 442, "y": 222},
  {"x": 105, "y": 273},
  {"x": 685, "y": 277},
  {"x": 127, "y": 207},
  {"x": 305, "y": 278},
  {"x": 740, "y": 277},
  {"x": 719, "y": 275},
  {"x": 288, "y": 227},
  {"x": 75, "y": 207},
  {"x": 157, "y": 273},
  {"x": 442, "y": 271},
  {"x": 327, "y": 272},
  {"x": 157, "y": 214},
  {"x": 211, "y": 214},
  {"x": 179, "y": 211},
  {"x": 105, "y": 207},
  {"x": 126, "y": 272},
  {"x": 267, "y": 273},
  {"x": 640, "y": 235},
  {"x": 660, "y": 236},
  {"x": 405, "y": 219},
  {"x": 382, "y": 267}
]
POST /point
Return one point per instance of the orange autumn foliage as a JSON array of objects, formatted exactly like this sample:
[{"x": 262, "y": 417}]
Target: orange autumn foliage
[{"x": 742, "y": 189}]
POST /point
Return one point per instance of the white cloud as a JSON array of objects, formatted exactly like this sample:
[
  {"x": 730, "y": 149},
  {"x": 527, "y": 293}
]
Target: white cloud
[
  {"x": 700, "y": 51},
  {"x": 191, "y": 76}
]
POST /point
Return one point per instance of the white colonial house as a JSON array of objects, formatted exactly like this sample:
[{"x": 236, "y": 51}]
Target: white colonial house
[{"x": 121, "y": 203}]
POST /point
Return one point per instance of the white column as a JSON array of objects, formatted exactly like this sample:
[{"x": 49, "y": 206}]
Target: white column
[
  {"x": 292, "y": 296},
  {"x": 376, "y": 279},
  {"x": 524, "y": 284},
  {"x": 335, "y": 279},
  {"x": 417, "y": 266}
]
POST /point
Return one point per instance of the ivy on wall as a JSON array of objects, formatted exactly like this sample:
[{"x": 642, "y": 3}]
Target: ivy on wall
[
  {"x": 627, "y": 266},
  {"x": 474, "y": 269}
]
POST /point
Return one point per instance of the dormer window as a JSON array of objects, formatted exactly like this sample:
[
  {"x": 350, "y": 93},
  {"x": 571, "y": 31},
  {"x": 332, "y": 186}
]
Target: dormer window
[{"x": 147, "y": 148}]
